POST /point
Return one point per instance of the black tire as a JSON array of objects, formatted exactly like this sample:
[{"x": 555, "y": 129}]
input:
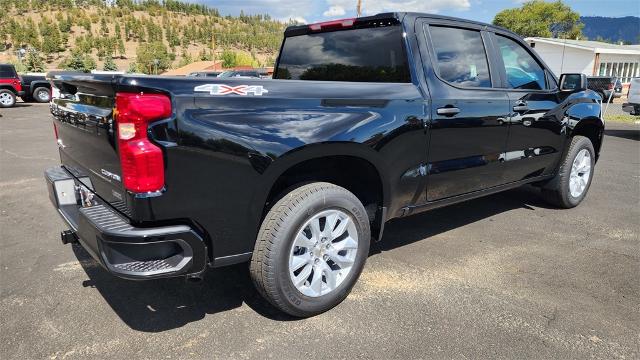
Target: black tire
[
  {"x": 604, "y": 98},
  {"x": 557, "y": 191},
  {"x": 270, "y": 262},
  {"x": 10, "y": 96},
  {"x": 41, "y": 91}
]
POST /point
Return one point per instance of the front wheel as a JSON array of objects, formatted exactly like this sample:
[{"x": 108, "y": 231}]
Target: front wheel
[
  {"x": 311, "y": 249},
  {"x": 572, "y": 182}
]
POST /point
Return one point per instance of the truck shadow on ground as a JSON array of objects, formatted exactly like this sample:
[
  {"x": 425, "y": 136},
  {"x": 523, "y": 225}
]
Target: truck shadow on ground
[
  {"x": 631, "y": 134},
  {"x": 159, "y": 305}
]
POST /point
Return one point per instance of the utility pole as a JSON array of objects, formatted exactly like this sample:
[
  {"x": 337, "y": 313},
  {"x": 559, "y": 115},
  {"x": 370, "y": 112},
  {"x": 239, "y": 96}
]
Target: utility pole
[{"x": 359, "y": 8}]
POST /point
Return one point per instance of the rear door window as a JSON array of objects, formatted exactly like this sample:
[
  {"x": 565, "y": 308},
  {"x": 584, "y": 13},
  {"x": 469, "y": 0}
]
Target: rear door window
[
  {"x": 461, "y": 58},
  {"x": 522, "y": 69},
  {"x": 375, "y": 54}
]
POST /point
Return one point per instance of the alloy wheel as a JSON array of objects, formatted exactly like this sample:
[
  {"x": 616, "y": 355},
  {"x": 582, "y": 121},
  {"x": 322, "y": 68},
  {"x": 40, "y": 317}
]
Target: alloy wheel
[
  {"x": 323, "y": 252},
  {"x": 43, "y": 95},
  {"x": 580, "y": 173}
]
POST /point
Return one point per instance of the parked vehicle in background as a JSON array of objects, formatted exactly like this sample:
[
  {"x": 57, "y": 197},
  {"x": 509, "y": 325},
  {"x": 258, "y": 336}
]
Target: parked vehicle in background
[
  {"x": 608, "y": 87},
  {"x": 632, "y": 105},
  {"x": 205, "y": 73},
  {"x": 366, "y": 120},
  {"x": 36, "y": 87},
  {"x": 252, "y": 74},
  {"x": 10, "y": 85}
]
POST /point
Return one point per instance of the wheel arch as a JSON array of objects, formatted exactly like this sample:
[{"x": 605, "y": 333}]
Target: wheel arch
[
  {"x": 352, "y": 166},
  {"x": 591, "y": 127},
  {"x": 36, "y": 84}
]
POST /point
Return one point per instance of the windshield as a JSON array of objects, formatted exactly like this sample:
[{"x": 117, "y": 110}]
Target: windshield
[{"x": 366, "y": 55}]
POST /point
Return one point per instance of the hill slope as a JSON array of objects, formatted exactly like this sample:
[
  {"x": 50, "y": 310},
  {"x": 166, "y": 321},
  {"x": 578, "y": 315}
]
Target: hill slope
[
  {"x": 625, "y": 29},
  {"x": 145, "y": 36}
]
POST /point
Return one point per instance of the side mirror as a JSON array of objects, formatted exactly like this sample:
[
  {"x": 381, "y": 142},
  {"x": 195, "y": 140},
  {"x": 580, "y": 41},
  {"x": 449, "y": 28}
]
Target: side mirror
[{"x": 573, "y": 82}]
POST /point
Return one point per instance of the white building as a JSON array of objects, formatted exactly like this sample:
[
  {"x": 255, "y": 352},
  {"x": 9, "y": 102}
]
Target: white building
[{"x": 592, "y": 58}]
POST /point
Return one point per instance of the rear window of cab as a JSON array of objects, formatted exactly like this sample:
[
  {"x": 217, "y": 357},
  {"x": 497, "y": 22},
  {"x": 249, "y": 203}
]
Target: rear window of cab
[{"x": 372, "y": 54}]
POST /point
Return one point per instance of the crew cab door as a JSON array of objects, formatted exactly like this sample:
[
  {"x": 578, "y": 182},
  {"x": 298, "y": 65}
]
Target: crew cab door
[
  {"x": 535, "y": 129},
  {"x": 469, "y": 128}
]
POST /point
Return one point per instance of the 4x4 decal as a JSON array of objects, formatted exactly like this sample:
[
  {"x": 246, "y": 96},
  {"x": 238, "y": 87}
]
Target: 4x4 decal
[{"x": 221, "y": 89}]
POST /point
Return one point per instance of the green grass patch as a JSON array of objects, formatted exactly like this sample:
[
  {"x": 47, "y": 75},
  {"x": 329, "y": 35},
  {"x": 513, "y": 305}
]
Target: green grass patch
[{"x": 629, "y": 119}]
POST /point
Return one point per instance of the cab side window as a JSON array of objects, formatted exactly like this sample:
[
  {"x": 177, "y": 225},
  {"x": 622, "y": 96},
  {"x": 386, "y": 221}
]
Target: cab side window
[
  {"x": 523, "y": 71},
  {"x": 460, "y": 56}
]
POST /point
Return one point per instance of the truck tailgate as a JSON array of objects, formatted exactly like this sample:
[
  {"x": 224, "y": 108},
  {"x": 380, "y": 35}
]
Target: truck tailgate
[{"x": 83, "y": 118}]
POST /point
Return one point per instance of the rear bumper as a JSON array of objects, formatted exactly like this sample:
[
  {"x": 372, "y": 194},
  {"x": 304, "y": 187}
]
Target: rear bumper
[{"x": 125, "y": 250}]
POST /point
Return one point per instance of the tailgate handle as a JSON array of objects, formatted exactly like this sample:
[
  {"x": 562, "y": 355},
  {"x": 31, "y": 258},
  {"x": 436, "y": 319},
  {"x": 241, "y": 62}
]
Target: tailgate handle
[{"x": 448, "y": 111}]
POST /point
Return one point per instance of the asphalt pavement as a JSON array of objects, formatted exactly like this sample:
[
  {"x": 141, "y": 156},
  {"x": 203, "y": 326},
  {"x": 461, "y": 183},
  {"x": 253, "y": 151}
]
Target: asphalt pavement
[{"x": 505, "y": 276}]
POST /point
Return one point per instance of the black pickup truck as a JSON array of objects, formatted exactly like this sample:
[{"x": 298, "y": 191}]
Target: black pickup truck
[
  {"x": 366, "y": 120},
  {"x": 36, "y": 87}
]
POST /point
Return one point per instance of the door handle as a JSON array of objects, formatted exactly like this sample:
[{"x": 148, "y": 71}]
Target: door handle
[
  {"x": 521, "y": 107},
  {"x": 448, "y": 111}
]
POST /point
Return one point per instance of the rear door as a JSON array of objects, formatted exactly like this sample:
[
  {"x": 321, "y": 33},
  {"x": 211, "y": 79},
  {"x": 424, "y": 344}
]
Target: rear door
[
  {"x": 536, "y": 120},
  {"x": 469, "y": 127}
]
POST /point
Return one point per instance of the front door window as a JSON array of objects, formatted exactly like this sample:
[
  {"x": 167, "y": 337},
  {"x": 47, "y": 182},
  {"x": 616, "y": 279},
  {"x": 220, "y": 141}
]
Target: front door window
[{"x": 523, "y": 71}]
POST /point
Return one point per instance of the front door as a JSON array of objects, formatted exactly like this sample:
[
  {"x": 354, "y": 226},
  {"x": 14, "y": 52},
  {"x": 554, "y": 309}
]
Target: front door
[
  {"x": 536, "y": 119},
  {"x": 469, "y": 127}
]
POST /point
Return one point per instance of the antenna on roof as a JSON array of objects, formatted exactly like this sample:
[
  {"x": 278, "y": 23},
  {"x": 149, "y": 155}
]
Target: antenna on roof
[{"x": 564, "y": 46}]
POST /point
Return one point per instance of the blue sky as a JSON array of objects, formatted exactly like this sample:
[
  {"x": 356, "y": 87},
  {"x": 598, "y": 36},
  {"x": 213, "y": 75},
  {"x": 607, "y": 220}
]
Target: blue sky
[{"x": 481, "y": 10}]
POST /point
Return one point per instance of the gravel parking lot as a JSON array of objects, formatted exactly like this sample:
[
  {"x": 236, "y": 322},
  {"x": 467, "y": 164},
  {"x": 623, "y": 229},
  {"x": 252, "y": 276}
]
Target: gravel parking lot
[{"x": 505, "y": 276}]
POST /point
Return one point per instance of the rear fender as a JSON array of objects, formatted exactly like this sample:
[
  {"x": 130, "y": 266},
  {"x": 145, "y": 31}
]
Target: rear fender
[
  {"x": 317, "y": 151},
  {"x": 36, "y": 84}
]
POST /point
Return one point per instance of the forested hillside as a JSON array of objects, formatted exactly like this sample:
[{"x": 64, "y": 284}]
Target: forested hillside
[
  {"x": 139, "y": 36},
  {"x": 625, "y": 29}
]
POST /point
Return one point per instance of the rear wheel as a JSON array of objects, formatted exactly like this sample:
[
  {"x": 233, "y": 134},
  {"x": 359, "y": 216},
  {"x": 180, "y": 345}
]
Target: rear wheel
[
  {"x": 7, "y": 98},
  {"x": 42, "y": 95},
  {"x": 311, "y": 248},
  {"x": 572, "y": 182}
]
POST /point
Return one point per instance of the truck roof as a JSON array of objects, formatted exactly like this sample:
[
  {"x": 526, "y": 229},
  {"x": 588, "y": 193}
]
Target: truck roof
[{"x": 401, "y": 16}]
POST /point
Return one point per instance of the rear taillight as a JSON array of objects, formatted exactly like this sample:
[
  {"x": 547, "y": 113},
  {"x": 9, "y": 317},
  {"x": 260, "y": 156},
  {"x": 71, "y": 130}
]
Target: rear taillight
[
  {"x": 334, "y": 24},
  {"x": 141, "y": 160}
]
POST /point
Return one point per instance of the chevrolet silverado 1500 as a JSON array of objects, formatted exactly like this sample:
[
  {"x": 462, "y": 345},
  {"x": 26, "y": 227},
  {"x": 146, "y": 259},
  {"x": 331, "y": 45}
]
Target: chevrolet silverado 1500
[{"x": 366, "y": 120}]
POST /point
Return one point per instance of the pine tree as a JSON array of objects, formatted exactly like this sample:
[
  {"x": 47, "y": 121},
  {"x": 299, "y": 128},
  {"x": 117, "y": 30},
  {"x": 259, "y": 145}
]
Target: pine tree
[
  {"x": 186, "y": 59},
  {"x": 75, "y": 62},
  {"x": 89, "y": 63},
  {"x": 109, "y": 64},
  {"x": 133, "y": 68},
  {"x": 34, "y": 62},
  {"x": 121, "y": 48}
]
